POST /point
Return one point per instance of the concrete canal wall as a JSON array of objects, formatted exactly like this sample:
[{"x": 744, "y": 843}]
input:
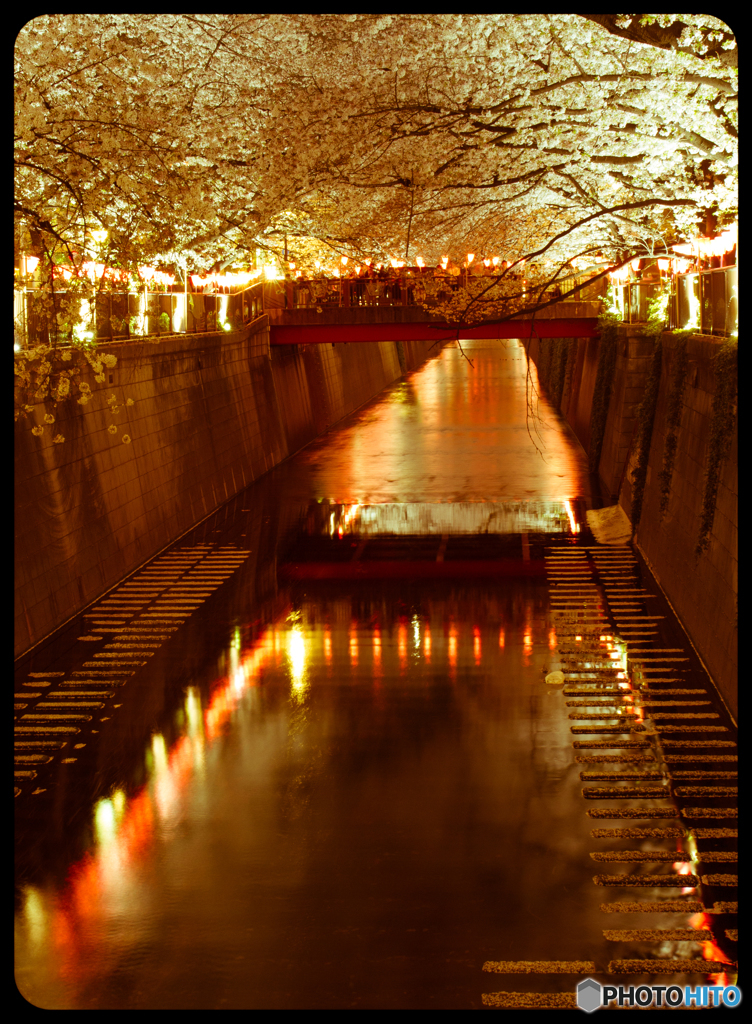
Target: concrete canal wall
[
  {"x": 703, "y": 591},
  {"x": 210, "y": 415}
]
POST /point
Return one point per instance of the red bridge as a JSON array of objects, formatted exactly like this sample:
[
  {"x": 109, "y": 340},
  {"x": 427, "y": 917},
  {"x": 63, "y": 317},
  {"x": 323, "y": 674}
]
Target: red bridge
[{"x": 343, "y": 325}]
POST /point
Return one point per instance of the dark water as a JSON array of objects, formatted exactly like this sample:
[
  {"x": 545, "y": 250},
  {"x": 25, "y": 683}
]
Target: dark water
[{"x": 341, "y": 781}]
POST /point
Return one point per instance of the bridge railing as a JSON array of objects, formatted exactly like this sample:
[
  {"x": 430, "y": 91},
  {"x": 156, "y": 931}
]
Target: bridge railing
[{"x": 346, "y": 292}]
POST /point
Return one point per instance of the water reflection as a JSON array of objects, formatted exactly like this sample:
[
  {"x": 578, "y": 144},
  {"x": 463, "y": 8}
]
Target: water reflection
[
  {"x": 337, "y": 794},
  {"x": 468, "y": 434}
]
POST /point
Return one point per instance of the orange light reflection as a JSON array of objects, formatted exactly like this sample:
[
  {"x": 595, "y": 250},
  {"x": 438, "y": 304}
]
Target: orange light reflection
[
  {"x": 452, "y": 647},
  {"x": 402, "y": 645},
  {"x": 78, "y": 919}
]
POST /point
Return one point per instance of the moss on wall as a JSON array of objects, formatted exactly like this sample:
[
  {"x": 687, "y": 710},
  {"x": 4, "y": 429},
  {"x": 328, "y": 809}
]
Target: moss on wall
[
  {"x": 721, "y": 432},
  {"x": 673, "y": 419},
  {"x": 644, "y": 431},
  {"x": 604, "y": 380}
]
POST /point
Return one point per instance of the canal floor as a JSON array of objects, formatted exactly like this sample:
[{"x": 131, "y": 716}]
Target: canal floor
[{"x": 307, "y": 758}]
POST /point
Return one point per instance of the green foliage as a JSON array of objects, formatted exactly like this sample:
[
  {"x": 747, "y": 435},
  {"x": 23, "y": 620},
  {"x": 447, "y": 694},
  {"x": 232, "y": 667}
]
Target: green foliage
[
  {"x": 657, "y": 313},
  {"x": 608, "y": 324},
  {"x": 644, "y": 434},
  {"x": 723, "y": 417},
  {"x": 673, "y": 419},
  {"x": 164, "y": 321}
]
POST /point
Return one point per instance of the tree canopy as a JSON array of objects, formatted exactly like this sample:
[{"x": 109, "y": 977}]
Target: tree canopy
[{"x": 200, "y": 138}]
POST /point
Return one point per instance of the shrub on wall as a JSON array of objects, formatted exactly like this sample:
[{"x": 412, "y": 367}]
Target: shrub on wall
[
  {"x": 608, "y": 324},
  {"x": 723, "y": 416}
]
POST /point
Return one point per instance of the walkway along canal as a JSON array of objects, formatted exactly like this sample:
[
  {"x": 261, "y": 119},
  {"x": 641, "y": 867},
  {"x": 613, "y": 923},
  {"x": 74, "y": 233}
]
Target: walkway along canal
[{"x": 307, "y": 758}]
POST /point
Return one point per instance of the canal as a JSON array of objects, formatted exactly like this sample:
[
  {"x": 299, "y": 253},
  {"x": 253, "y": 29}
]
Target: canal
[{"x": 307, "y": 758}]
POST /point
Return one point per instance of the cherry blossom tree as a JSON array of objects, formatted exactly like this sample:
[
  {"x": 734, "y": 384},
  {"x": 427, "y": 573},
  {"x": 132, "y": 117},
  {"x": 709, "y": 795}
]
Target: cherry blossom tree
[{"x": 207, "y": 137}]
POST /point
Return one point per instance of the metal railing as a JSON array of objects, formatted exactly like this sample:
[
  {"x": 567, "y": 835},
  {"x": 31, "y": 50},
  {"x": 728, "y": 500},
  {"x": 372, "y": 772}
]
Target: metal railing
[
  {"x": 710, "y": 298},
  {"x": 124, "y": 316},
  {"x": 707, "y": 300},
  {"x": 633, "y": 298},
  {"x": 409, "y": 290}
]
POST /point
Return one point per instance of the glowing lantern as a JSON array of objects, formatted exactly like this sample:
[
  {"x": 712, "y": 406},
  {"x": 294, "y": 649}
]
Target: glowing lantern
[
  {"x": 32, "y": 262},
  {"x": 420, "y": 262},
  {"x": 495, "y": 261},
  {"x": 470, "y": 257},
  {"x": 343, "y": 260},
  {"x": 486, "y": 263},
  {"x": 664, "y": 265}
]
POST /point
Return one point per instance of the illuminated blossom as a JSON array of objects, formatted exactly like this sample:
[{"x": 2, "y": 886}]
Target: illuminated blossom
[
  {"x": 37, "y": 431},
  {"x": 58, "y": 439},
  {"x": 126, "y": 439},
  {"x": 112, "y": 429},
  {"x": 513, "y": 134},
  {"x": 48, "y": 418}
]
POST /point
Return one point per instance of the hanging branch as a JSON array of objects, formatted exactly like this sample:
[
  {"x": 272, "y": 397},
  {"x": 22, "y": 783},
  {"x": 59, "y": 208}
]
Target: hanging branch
[{"x": 410, "y": 219}]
